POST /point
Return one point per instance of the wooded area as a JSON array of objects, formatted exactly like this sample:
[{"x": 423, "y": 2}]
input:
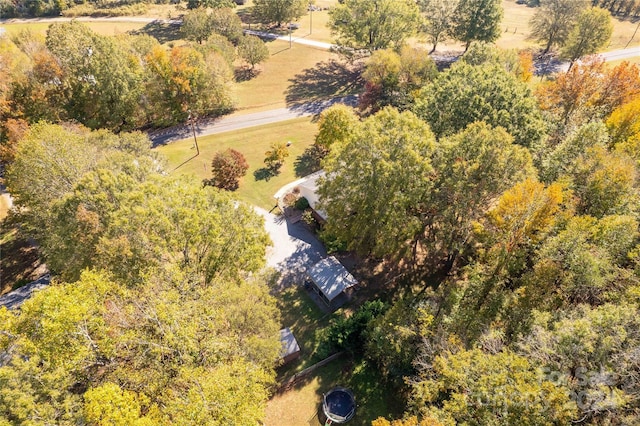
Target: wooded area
[{"x": 497, "y": 214}]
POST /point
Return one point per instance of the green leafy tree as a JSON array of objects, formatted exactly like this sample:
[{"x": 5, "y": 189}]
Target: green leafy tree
[
  {"x": 438, "y": 19},
  {"x": 103, "y": 88},
  {"x": 227, "y": 23},
  {"x": 553, "y": 21},
  {"x": 592, "y": 350},
  {"x": 392, "y": 79},
  {"x": 477, "y": 388},
  {"x": 473, "y": 168},
  {"x": 227, "y": 168},
  {"x": 465, "y": 94},
  {"x": 591, "y": 33},
  {"x": 196, "y": 25},
  {"x": 253, "y": 50},
  {"x": 375, "y": 181},
  {"x": 581, "y": 264},
  {"x": 274, "y": 158},
  {"x": 71, "y": 343},
  {"x": 279, "y": 11},
  {"x": 370, "y": 25},
  {"x": 184, "y": 79},
  {"x": 214, "y": 4},
  {"x": 561, "y": 159},
  {"x": 477, "y": 20},
  {"x": 336, "y": 125},
  {"x": 605, "y": 183}
]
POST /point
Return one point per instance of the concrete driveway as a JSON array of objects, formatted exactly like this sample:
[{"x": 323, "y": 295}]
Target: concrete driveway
[{"x": 294, "y": 248}]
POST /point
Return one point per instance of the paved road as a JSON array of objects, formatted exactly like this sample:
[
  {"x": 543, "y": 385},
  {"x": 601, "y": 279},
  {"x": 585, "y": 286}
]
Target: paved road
[
  {"x": 294, "y": 248},
  {"x": 237, "y": 122},
  {"x": 15, "y": 298}
]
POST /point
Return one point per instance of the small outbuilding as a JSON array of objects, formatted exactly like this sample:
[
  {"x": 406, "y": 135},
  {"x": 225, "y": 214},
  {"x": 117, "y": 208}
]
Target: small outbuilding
[
  {"x": 330, "y": 279},
  {"x": 290, "y": 347}
]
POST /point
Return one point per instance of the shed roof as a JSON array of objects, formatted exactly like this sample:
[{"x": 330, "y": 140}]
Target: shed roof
[
  {"x": 331, "y": 277},
  {"x": 289, "y": 343}
]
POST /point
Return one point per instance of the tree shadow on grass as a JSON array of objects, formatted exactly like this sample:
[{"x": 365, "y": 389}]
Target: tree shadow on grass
[
  {"x": 161, "y": 31},
  {"x": 265, "y": 173},
  {"x": 245, "y": 73},
  {"x": 325, "y": 80},
  {"x": 308, "y": 162}
]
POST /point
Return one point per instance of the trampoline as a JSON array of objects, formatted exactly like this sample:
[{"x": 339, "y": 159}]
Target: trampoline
[{"x": 339, "y": 405}]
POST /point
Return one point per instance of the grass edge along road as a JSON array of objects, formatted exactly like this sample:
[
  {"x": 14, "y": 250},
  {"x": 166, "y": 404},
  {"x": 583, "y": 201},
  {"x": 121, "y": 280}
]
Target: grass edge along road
[{"x": 252, "y": 142}]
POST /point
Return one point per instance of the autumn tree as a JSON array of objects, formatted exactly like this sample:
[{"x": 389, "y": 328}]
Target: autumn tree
[
  {"x": 591, "y": 350},
  {"x": 364, "y": 26},
  {"x": 279, "y": 11},
  {"x": 227, "y": 168},
  {"x": 184, "y": 79},
  {"x": 591, "y": 33},
  {"x": 464, "y": 94},
  {"x": 474, "y": 387},
  {"x": 438, "y": 19},
  {"x": 336, "y": 125},
  {"x": 553, "y": 21},
  {"x": 624, "y": 122},
  {"x": 477, "y": 20},
  {"x": 274, "y": 158},
  {"x": 392, "y": 79},
  {"x": 253, "y": 50}
]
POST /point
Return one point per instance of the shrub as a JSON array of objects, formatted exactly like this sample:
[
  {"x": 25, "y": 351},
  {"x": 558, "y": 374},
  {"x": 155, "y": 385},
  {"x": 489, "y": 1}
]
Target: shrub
[
  {"x": 227, "y": 168},
  {"x": 350, "y": 333},
  {"x": 302, "y": 203}
]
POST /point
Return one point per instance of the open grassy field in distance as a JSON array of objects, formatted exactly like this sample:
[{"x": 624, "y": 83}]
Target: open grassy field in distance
[
  {"x": 252, "y": 143},
  {"x": 299, "y": 406},
  {"x": 101, "y": 27},
  {"x": 286, "y": 67}
]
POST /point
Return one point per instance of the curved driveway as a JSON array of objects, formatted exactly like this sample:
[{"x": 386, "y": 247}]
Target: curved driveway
[{"x": 294, "y": 248}]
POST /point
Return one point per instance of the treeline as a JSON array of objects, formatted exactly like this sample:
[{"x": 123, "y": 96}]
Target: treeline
[
  {"x": 511, "y": 222},
  {"x": 625, "y": 8},
  {"x": 120, "y": 83},
  {"x": 622, "y": 8}
]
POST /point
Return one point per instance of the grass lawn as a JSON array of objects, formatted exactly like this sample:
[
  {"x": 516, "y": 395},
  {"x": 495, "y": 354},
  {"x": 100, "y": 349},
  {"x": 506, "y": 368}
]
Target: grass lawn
[
  {"x": 252, "y": 143},
  {"x": 104, "y": 28},
  {"x": 299, "y": 405},
  {"x": 294, "y": 74},
  {"x": 306, "y": 322}
]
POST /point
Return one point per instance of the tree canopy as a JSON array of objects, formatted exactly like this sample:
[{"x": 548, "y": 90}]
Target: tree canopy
[
  {"x": 465, "y": 93},
  {"x": 370, "y": 25}
]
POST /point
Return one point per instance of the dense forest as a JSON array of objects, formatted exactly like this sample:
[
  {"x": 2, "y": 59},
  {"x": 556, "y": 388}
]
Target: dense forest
[
  {"x": 503, "y": 212},
  {"x": 511, "y": 220}
]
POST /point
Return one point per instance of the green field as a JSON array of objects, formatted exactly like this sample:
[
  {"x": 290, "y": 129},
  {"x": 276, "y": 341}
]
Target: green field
[{"x": 252, "y": 143}]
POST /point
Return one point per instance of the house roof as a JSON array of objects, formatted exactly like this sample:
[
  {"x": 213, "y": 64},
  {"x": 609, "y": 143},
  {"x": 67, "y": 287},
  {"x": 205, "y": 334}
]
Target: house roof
[
  {"x": 289, "y": 343},
  {"x": 331, "y": 277}
]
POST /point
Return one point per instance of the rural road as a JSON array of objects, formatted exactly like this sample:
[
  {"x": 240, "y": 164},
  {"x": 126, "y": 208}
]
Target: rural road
[{"x": 237, "y": 122}]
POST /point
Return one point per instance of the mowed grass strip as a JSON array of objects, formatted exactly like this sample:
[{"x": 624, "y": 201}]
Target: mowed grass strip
[
  {"x": 252, "y": 143},
  {"x": 299, "y": 406},
  {"x": 267, "y": 90},
  {"x": 110, "y": 28}
]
